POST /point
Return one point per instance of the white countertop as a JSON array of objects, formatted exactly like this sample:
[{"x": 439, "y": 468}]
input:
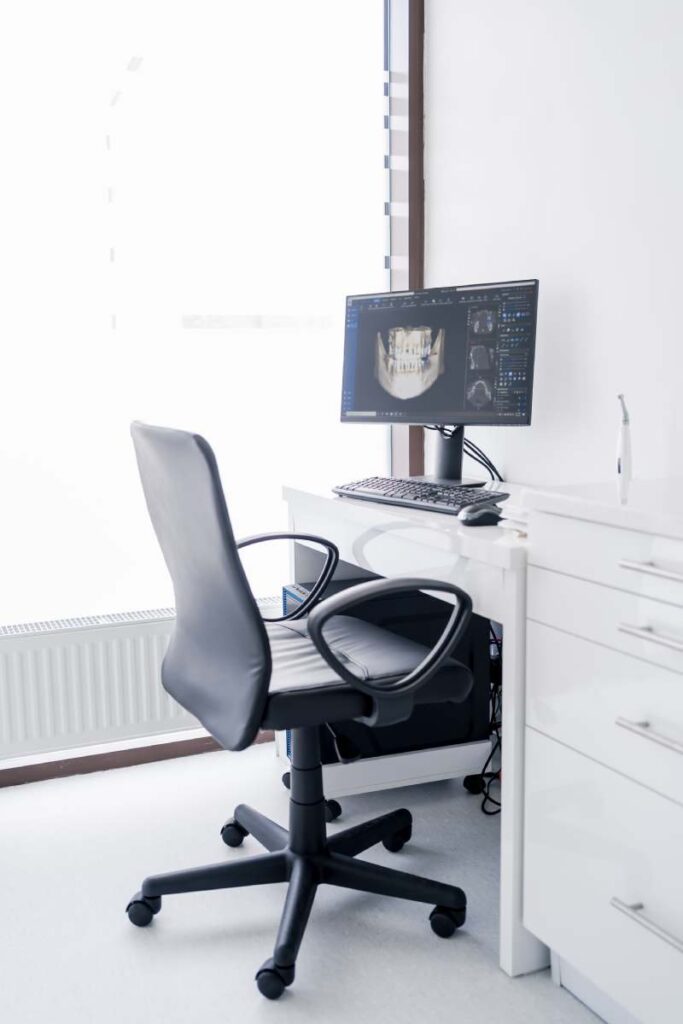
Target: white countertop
[
  {"x": 435, "y": 529},
  {"x": 653, "y": 506}
]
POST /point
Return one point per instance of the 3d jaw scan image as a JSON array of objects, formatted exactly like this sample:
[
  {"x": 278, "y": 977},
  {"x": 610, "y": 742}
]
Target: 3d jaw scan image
[
  {"x": 480, "y": 358},
  {"x": 479, "y": 394},
  {"x": 410, "y": 361},
  {"x": 483, "y": 322}
]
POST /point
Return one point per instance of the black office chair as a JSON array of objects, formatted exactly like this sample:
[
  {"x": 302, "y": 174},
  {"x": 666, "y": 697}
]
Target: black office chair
[{"x": 239, "y": 674}]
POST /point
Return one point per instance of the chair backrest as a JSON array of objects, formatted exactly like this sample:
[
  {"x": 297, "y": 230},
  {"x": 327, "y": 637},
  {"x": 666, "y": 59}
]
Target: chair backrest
[{"x": 218, "y": 660}]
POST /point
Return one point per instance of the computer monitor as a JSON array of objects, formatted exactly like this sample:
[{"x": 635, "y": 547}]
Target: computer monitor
[{"x": 459, "y": 356}]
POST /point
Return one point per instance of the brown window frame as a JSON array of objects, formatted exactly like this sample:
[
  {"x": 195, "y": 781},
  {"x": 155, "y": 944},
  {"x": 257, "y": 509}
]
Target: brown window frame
[{"x": 404, "y": 63}]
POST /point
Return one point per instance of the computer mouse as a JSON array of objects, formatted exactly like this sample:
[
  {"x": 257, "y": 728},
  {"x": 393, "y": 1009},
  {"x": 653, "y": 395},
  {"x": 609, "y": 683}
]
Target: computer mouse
[{"x": 479, "y": 515}]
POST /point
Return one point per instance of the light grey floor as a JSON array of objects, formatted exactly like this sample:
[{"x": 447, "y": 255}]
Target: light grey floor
[{"x": 73, "y": 850}]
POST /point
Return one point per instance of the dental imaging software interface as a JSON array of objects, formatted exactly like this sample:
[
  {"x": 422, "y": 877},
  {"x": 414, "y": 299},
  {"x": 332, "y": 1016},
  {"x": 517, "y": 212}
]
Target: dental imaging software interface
[{"x": 459, "y": 355}]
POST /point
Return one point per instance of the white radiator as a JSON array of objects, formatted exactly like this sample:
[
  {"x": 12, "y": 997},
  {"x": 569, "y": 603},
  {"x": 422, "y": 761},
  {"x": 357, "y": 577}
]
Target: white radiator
[
  {"x": 74, "y": 682},
  {"x": 96, "y": 679}
]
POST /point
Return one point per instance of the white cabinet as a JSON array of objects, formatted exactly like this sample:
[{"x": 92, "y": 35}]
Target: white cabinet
[
  {"x": 603, "y": 880},
  {"x": 631, "y": 560},
  {"x": 641, "y": 626},
  {"x": 616, "y": 709},
  {"x": 603, "y": 833}
]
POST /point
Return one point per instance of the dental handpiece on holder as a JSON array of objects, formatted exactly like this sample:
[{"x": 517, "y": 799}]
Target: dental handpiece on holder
[{"x": 624, "y": 461}]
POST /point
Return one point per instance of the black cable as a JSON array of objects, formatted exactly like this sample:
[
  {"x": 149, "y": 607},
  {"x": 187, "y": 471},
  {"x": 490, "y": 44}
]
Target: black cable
[
  {"x": 484, "y": 460},
  {"x": 470, "y": 448},
  {"x": 477, "y": 451},
  {"x": 489, "y": 804},
  {"x": 480, "y": 459},
  {"x": 488, "y": 799},
  {"x": 446, "y": 432},
  {"x": 475, "y": 448},
  {"x": 481, "y": 462}
]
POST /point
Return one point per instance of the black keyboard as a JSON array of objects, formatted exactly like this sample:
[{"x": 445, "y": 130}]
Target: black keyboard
[{"x": 449, "y": 498}]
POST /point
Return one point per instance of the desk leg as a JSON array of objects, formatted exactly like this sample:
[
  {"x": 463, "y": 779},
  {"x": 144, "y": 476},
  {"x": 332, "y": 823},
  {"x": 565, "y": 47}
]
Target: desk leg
[{"x": 520, "y": 951}]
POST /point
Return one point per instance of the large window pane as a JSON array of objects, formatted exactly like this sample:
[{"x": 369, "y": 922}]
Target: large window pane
[{"x": 193, "y": 190}]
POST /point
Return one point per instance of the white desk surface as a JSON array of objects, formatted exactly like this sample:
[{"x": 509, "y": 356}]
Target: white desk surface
[
  {"x": 653, "y": 506},
  {"x": 488, "y": 544}
]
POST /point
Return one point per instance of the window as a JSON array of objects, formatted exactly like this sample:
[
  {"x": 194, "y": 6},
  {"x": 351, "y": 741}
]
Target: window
[{"x": 194, "y": 189}]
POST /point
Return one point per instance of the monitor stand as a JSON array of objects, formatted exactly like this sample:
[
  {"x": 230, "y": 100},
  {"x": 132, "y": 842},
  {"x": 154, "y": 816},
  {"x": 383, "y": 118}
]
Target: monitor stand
[{"x": 448, "y": 460}]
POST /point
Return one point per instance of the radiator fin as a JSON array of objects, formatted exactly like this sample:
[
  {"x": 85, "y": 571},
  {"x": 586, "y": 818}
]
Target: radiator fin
[
  {"x": 90, "y": 679},
  {"x": 72, "y": 682}
]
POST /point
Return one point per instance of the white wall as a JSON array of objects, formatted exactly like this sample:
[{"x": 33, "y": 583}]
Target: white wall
[{"x": 554, "y": 149}]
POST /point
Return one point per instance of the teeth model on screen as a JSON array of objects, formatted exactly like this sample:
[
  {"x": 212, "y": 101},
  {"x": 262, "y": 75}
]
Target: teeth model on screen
[{"x": 410, "y": 361}]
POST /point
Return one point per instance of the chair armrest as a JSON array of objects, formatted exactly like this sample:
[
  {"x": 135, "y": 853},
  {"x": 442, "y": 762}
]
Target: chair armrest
[
  {"x": 340, "y": 603},
  {"x": 325, "y": 576}
]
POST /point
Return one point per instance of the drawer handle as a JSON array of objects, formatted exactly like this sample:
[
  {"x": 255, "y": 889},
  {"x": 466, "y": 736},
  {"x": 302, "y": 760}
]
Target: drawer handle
[
  {"x": 635, "y": 912},
  {"x": 648, "y": 633},
  {"x": 645, "y": 730},
  {"x": 652, "y": 569}
]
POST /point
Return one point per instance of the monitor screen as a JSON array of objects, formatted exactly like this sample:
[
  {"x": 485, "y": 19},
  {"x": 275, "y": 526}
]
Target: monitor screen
[{"x": 457, "y": 355}]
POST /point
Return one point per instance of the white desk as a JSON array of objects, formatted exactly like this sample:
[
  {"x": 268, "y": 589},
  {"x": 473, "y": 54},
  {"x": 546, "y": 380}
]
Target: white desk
[{"x": 491, "y": 566}]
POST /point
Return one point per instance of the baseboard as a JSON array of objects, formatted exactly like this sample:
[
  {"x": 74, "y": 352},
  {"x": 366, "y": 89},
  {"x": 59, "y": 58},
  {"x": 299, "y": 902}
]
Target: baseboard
[
  {"x": 588, "y": 993},
  {"x": 103, "y": 757}
]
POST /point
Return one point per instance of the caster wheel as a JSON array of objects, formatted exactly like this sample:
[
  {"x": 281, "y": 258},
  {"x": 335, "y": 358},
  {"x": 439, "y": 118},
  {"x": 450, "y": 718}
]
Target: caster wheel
[
  {"x": 445, "y": 920},
  {"x": 332, "y": 810},
  {"x": 273, "y": 980},
  {"x": 474, "y": 783},
  {"x": 287, "y": 780},
  {"x": 233, "y": 833},
  {"x": 270, "y": 984},
  {"x": 396, "y": 842},
  {"x": 141, "y": 909}
]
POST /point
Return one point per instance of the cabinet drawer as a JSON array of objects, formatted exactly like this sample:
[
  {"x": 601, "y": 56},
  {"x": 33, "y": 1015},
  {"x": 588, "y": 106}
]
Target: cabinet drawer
[
  {"x": 637, "y": 625},
  {"x": 597, "y": 701},
  {"x": 603, "y": 885},
  {"x": 638, "y": 562}
]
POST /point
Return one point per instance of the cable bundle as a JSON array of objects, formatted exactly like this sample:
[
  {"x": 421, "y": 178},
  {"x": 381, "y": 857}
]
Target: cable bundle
[
  {"x": 471, "y": 449},
  {"x": 485, "y": 779}
]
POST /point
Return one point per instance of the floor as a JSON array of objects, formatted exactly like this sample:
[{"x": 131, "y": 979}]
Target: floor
[{"x": 74, "y": 850}]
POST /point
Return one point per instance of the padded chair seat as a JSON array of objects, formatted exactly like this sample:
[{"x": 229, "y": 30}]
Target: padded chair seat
[{"x": 304, "y": 690}]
